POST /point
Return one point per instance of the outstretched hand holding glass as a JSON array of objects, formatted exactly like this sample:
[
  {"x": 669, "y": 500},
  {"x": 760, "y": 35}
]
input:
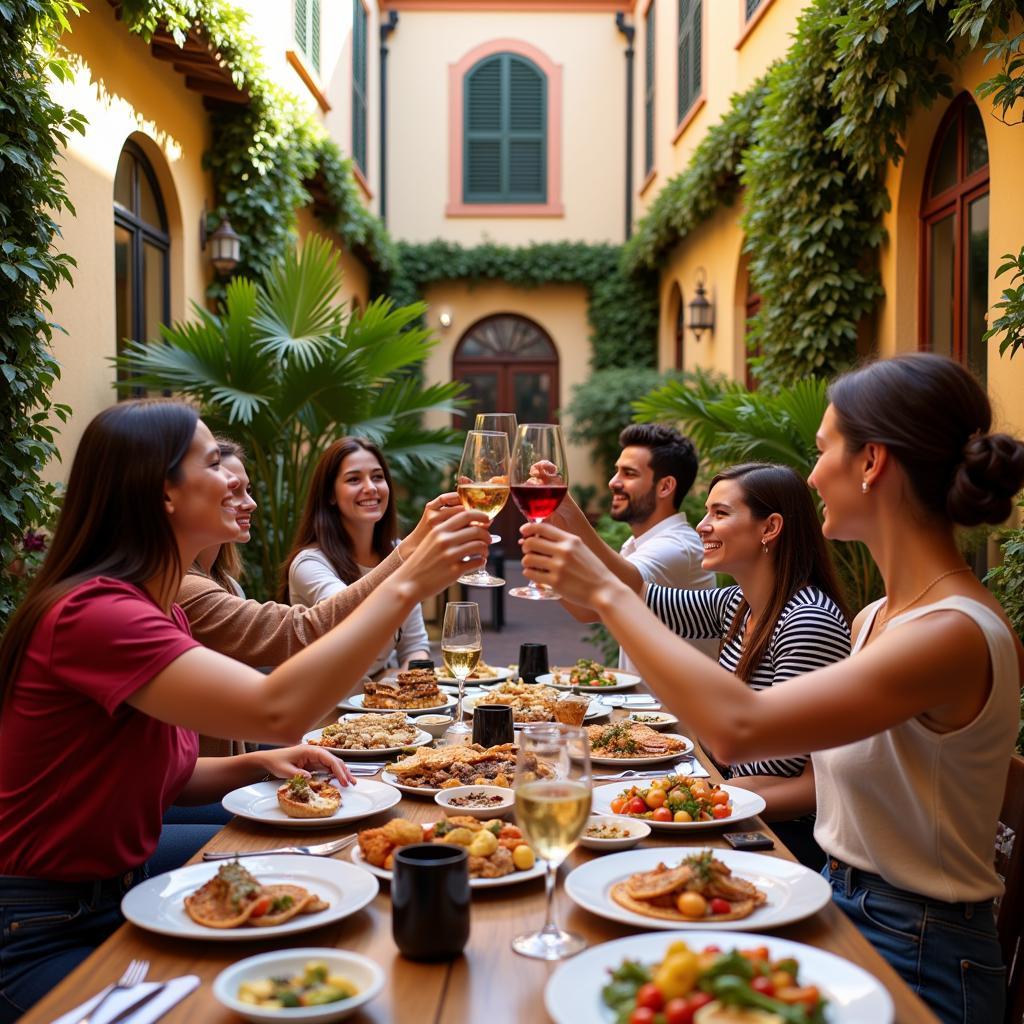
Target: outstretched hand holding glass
[{"x": 483, "y": 487}]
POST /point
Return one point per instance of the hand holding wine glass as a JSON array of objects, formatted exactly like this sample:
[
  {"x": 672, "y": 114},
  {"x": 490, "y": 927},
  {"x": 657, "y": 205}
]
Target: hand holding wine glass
[
  {"x": 504, "y": 423},
  {"x": 460, "y": 647},
  {"x": 553, "y": 788},
  {"x": 483, "y": 487}
]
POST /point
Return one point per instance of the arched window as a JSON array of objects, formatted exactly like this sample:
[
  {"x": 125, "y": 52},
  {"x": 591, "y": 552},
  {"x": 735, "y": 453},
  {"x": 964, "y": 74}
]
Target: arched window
[
  {"x": 510, "y": 365},
  {"x": 505, "y": 131},
  {"x": 954, "y": 239},
  {"x": 141, "y": 250}
]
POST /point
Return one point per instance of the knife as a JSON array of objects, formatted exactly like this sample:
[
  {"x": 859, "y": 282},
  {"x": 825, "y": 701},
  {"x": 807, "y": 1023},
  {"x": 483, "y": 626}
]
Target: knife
[{"x": 138, "y": 1004}]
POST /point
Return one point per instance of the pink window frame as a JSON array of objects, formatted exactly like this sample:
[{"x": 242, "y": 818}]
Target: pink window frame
[{"x": 456, "y": 76}]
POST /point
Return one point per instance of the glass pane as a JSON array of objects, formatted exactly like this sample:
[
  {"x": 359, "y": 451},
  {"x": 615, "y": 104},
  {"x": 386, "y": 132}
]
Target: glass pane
[
  {"x": 124, "y": 177},
  {"x": 977, "y": 144},
  {"x": 977, "y": 287},
  {"x": 944, "y": 174},
  {"x": 149, "y": 207},
  {"x": 531, "y": 396},
  {"x": 507, "y": 337},
  {"x": 153, "y": 262},
  {"x": 481, "y": 393},
  {"x": 940, "y": 285},
  {"x": 122, "y": 284}
]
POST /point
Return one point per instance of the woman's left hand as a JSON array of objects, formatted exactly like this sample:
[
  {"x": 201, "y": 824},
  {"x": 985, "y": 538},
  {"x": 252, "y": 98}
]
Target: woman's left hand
[{"x": 304, "y": 759}]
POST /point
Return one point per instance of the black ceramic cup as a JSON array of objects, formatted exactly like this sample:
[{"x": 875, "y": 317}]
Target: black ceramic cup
[
  {"x": 533, "y": 661},
  {"x": 492, "y": 724},
  {"x": 430, "y": 900},
  {"x": 421, "y": 663}
]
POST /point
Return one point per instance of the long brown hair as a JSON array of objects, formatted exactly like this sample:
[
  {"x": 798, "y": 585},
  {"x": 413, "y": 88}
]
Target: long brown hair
[
  {"x": 799, "y": 553},
  {"x": 321, "y": 525},
  {"x": 227, "y": 567},
  {"x": 113, "y": 522}
]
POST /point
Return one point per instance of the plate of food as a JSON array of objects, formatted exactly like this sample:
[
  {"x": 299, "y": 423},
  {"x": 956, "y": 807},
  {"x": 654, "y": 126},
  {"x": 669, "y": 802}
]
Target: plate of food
[
  {"x": 631, "y": 744},
  {"x": 319, "y": 804},
  {"x": 529, "y": 702},
  {"x": 607, "y": 834},
  {"x": 659, "y": 720},
  {"x": 428, "y": 770},
  {"x": 413, "y": 692},
  {"x": 265, "y": 897},
  {"x": 589, "y": 677},
  {"x": 604, "y": 983},
  {"x": 482, "y": 674},
  {"x": 369, "y": 735},
  {"x": 678, "y": 802},
  {"x": 498, "y": 853},
  {"x": 672, "y": 888}
]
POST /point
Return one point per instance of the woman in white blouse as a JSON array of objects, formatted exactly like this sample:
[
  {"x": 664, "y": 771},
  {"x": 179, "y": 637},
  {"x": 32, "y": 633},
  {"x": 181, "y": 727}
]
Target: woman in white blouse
[{"x": 348, "y": 526}]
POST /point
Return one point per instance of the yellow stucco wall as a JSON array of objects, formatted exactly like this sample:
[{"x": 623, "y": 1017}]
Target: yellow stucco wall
[
  {"x": 561, "y": 310},
  {"x": 124, "y": 93},
  {"x": 592, "y": 143},
  {"x": 355, "y": 278}
]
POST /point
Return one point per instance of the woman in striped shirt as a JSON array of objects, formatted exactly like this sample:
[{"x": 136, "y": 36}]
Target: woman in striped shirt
[{"x": 785, "y": 617}]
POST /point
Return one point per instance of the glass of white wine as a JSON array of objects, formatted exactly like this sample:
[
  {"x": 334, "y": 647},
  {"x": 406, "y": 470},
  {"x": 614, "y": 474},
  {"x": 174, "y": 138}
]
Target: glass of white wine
[
  {"x": 552, "y": 786},
  {"x": 504, "y": 423},
  {"x": 483, "y": 487},
  {"x": 460, "y": 648}
]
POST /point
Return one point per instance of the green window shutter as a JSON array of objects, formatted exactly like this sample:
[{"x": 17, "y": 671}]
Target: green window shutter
[
  {"x": 649, "y": 90},
  {"x": 751, "y": 6},
  {"x": 359, "y": 79},
  {"x": 302, "y": 25},
  {"x": 689, "y": 63},
  {"x": 505, "y": 132},
  {"x": 314, "y": 34}
]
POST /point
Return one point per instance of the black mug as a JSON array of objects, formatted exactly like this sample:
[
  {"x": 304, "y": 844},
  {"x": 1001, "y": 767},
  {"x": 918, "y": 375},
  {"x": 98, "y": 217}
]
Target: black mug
[
  {"x": 533, "y": 661},
  {"x": 430, "y": 900},
  {"x": 492, "y": 724},
  {"x": 421, "y": 663}
]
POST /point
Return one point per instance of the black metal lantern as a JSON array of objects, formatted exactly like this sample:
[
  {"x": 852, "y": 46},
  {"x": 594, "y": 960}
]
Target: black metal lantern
[
  {"x": 225, "y": 248},
  {"x": 702, "y": 312}
]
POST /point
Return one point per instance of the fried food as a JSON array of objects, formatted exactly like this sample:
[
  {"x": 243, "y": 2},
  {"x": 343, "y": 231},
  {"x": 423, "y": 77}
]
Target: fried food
[
  {"x": 529, "y": 702},
  {"x": 415, "y": 688},
  {"x": 367, "y": 732},
  {"x": 464, "y": 764},
  {"x": 482, "y": 671},
  {"x": 300, "y": 797}
]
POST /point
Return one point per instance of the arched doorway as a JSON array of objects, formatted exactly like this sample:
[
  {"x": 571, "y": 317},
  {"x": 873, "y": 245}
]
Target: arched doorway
[
  {"x": 954, "y": 239},
  {"x": 509, "y": 364}
]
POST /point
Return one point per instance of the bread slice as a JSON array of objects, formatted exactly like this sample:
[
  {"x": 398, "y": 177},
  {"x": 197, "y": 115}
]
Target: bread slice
[
  {"x": 227, "y": 900},
  {"x": 300, "y": 797}
]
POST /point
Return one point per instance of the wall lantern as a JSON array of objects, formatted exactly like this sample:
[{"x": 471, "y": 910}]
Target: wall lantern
[
  {"x": 445, "y": 318},
  {"x": 225, "y": 246},
  {"x": 702, "y": 312}
]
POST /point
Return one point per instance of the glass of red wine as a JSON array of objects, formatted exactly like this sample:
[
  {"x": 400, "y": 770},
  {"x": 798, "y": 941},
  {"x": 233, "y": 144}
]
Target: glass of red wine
[{"x": 539, "y": 478}]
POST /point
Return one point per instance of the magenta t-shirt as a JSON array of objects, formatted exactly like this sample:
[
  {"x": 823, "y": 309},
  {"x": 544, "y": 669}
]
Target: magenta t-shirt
[{"x": 84, "y": 777}]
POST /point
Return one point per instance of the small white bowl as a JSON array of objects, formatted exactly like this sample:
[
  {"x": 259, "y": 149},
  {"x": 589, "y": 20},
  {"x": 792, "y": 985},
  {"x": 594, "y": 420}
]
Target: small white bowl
[
  {"x": 434, "y": 724},
  {"x": 659, "y": 720},
  {"x": 367, "y": 976},
  {"x": 508, "y": 800},
  {"x": 637, "y": 830}
]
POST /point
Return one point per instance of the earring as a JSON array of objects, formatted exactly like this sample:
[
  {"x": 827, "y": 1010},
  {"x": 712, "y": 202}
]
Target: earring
[
  {"x": 764, "y": 546},
  {"x": 864, "y": 487}
]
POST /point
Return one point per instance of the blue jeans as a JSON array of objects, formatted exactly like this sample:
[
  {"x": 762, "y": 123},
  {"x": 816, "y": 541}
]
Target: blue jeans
[
  {"x": 948, "y": 953},
  {"x": 48, "y": 928}
]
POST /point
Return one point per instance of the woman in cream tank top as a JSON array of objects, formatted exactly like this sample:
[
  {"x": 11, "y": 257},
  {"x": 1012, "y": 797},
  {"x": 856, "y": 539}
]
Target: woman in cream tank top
[{"x": 911, "y": 735}]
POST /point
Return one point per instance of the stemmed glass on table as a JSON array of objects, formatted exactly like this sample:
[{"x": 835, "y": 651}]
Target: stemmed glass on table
[
  {"x": 552, "y": 788},
  {"x": 502, "y": 423},
  {"x": 483, "y": 487},
  {"x": 460, "y": 648},
  {"x": 538, "y": 496}
]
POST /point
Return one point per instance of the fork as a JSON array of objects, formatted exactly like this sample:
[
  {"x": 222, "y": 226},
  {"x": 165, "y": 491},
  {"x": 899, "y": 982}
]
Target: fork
[
  {"x": 649, "y": 773},
  {"x": 314, "y": 850},
  {"x": 134, "y": 973}
]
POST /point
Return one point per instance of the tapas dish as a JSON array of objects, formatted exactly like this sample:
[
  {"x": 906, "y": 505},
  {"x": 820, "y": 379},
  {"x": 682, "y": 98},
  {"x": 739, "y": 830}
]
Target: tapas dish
[
  {"x": 483, "y": 673},
  {"x": 530, "y": 702},
  {"x": 415, "y": 688},
  {"x": 358, "y": 735},
  {"x": 428, "y": 771},
  {"x": 589, "y": 677},
  {"x": 678, "y": 802},
  {"x": 631, "y": 743},
  {"x": 260, "y": 802},
  {"x": 300, "y": 797}
]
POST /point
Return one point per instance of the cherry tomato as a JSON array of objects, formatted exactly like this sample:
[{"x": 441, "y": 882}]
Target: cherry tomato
[
  {"x": 617, "y": 804},
  {"x": 682, "y": 816},
  {"x": 661, "y": 814},
  {"x": 712, "y": 949},
  {"x": 650, "y": 996},
  {"x": 261, "y": 906},
  {"x": 719, "y": 797},
  {"x": 721, "y": 811},
  {"x": 698, "y": 999},
  {"x": 678, "y": 1011},
  {"x": 763, "y": 985},
  {"x": 720, "y": 906},
  {"x": 636, "y": 806},
  {"x": 655, "y": 798},
  {"x": 783, "y": 979},
  {"x": 642, "y": 1015}
]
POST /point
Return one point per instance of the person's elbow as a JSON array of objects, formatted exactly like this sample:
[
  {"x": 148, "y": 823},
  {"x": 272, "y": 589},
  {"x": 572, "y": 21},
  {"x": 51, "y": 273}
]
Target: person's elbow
[{"x": 733, "y": 738}]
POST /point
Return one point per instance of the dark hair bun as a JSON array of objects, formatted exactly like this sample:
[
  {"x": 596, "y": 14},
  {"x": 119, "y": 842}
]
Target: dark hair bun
[{"x": 984, "y": 484}]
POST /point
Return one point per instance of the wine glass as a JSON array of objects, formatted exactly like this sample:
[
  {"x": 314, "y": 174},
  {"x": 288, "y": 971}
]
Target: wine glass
[
  {"x": 460, "y": 648},
  {"x": 483, "y": 487},
  {"x": 503, "y": 423},
  {"x": 552, "y": 787},
  {"x": 538, "y": 493}
]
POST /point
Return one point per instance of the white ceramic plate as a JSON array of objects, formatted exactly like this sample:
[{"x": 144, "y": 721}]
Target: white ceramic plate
[
  {"x": 500, "y": 674},
  {"x": 659, "y": 720},
  {"x": 366, "y": 975},
  {"x": 793, "y": 891},
  {"x": 355, "y": 703},
  {"x": 537, "y": 871},
  {"x": 636, "y": 762},
  {"x": 594, "y": 712},
  {"x": 158, "y": 904},
  {"x": 625, "y": 682},
  {"x": 258, "y": 802},
  {"x": 637, "y": 830},
  {"x": 421, "y": 739},
  {"x": 745, "y": 804},
  {"x": 573, "y": 993},
  {"x": 392, "y": 780}
]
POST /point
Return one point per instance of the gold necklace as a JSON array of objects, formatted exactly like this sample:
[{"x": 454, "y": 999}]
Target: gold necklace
[{"x": 899, "y": 611}]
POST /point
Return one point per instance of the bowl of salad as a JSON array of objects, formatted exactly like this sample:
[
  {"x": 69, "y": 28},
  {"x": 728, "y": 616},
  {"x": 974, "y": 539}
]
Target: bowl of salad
[{"x": 606, "y": 833}]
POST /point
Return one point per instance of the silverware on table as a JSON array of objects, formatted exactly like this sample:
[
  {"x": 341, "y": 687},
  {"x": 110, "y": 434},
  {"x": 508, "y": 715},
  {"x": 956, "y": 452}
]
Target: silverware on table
[
  {"x": 650, "y": 773},
  {"x": 134, "y": 974},
  {"x": 313, "y": 850},
  {"x": 130, "y": 1011}
]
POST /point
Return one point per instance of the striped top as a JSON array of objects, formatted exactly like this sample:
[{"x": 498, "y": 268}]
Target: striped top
[{"x": 811, "y": 633}]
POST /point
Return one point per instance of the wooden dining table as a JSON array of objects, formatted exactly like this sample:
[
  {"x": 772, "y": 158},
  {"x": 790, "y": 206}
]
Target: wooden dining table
[{"x": 488, "y": 984}]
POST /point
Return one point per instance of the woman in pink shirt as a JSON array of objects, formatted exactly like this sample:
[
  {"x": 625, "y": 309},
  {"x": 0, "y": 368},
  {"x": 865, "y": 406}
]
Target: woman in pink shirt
[{"x": 104, "y": 689}]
